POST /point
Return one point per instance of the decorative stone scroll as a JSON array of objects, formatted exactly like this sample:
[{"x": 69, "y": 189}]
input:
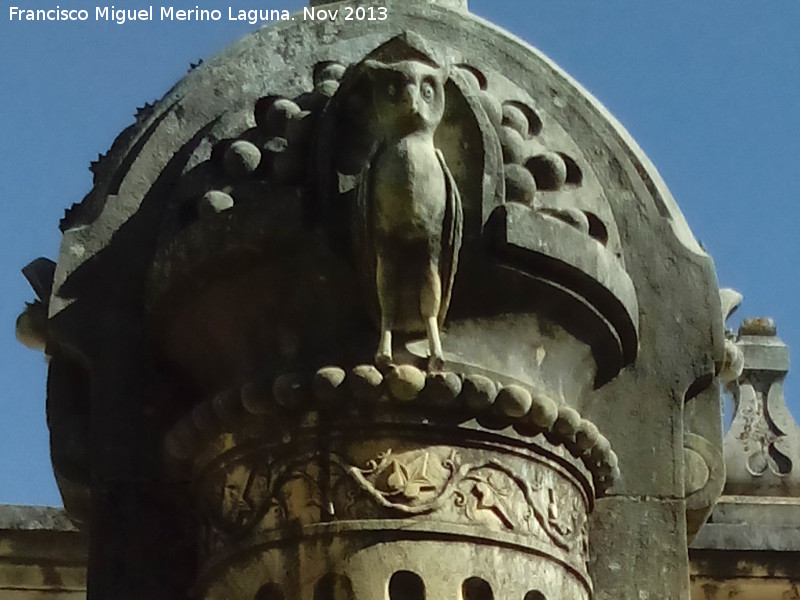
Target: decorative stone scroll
[
  {"x": 260, "y": 494},
  {"x": 435, "y": 483}
]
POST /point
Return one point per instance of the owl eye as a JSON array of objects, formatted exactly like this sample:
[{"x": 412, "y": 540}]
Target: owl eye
[{"x": 426, "y": 91}]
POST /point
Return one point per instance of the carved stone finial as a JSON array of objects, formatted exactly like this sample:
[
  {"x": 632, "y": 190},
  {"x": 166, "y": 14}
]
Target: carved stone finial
[
  {"x": 762, "y": 447},
  {"x": 244, "y": 235},
  {"x": 761, "y": 326}
]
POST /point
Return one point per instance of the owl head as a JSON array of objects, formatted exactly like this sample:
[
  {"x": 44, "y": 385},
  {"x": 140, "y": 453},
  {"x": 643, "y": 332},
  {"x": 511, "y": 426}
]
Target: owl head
[{"x": 408, "y": 96}]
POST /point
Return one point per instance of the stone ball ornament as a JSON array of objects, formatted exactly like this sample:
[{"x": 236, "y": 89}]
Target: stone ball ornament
[{"x": 406, "y": 390}]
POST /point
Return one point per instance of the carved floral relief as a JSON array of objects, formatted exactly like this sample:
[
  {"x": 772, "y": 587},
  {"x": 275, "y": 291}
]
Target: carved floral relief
[{"x": 437, "y": 483}]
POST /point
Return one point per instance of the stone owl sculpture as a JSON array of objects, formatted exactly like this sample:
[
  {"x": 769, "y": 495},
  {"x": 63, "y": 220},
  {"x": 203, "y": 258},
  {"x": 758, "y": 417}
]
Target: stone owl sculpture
[{"x": 408, "y": 218}]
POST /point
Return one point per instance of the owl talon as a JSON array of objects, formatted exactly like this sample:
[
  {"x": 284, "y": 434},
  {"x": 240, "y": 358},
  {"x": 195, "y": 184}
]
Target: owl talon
[
  {"x": 435, "y": 363},
  {"x": 383, "y": 360}
]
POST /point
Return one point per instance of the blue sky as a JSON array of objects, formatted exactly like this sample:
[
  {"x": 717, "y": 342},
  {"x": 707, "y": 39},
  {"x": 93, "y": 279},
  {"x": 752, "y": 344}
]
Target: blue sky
[{"x": 710, "y": 90}]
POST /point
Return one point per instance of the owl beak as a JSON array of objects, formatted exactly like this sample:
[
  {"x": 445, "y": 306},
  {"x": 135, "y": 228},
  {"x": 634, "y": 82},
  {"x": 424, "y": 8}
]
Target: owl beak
[{"x": 411, "y": 99}]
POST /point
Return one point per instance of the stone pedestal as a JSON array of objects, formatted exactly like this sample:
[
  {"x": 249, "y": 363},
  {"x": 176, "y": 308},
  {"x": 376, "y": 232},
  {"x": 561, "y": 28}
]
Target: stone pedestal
[{"x": 357, "y": 477}]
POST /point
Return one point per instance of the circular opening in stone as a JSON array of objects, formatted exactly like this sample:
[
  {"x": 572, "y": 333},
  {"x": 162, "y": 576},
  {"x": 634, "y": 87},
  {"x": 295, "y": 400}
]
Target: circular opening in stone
[
  {"x": 476, "y": 588},
  {"x": 270, "y": 591},
  {"x": 333, "y": 586},
  {"x": 405, "y": 585}
]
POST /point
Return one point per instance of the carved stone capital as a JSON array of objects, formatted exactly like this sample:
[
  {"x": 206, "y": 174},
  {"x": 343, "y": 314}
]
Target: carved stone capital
[{"x": 349, "y": 454}]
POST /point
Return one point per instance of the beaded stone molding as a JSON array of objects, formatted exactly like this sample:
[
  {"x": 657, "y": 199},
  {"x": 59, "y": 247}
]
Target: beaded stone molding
[{"x": 340, "y": 393}]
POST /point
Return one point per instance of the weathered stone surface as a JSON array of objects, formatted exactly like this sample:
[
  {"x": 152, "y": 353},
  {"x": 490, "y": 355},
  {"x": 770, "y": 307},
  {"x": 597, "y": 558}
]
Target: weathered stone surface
[
  {"x": 31, "y": 325},
  {"x": 42, "y": 554},
  {"x": 241, "y": 159},
  {"x": 567, "y": 422},
  {"x": 327, "y": 382},
  {"x": 762, "y": 446},
  {"x": 435, "y": 497},
  {"x": 582, "y": 308},
  {"x": 520, "y": 185},
  {"x": 549, "y": 169},
  {"x": 748, "y": 549},
  {"x": 744, "y": 575},
  {"x": 587, "y": 436},
  {"x": 655, "y": 566},
  {"x": 758, "y": 523},
  {"x": 442, "y": 389},
  {"x": 290, "y": 391},
  {"x": 365, "y": 382},
  {"x": 513, "y": 401},
  {"x": 405, "y": 382},
  {"x": 479, "y": 392}
]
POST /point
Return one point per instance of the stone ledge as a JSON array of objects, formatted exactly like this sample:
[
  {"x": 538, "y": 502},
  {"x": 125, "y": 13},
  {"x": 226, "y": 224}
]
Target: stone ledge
[
  {"x": 747, "y": 537},
  {"x": 744, "y": 575},
  {"x": 28, "y": 518},
  {"x": 42, "y": 554},
  {"x": 752, "y": 523}
]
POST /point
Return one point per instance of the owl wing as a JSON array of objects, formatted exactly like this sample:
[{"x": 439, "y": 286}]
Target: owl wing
[
  {"x": 452, "y": 230},
  {"x": 365, "y": 256}
]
